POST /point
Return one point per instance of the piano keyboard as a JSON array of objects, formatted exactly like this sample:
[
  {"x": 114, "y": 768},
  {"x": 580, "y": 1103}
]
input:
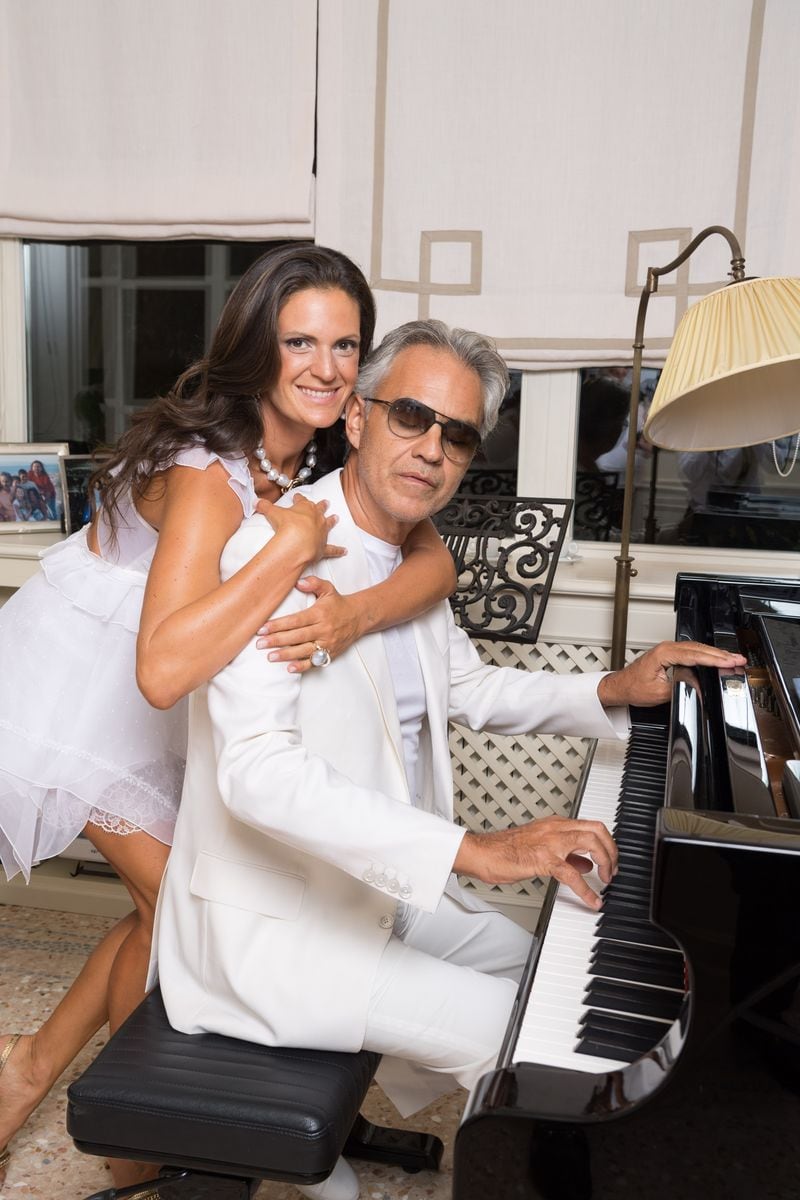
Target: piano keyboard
[{"x": 608, "y": 984}]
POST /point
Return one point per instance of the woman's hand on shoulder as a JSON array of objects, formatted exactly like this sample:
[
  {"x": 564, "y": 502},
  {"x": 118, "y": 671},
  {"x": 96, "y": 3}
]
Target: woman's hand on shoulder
[
  {"x": 306, "y": 523},
  {"x": 332, "y": 623}
]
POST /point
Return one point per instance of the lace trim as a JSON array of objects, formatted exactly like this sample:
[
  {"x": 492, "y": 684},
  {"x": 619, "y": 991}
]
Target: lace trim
[
  {"x": 111, "y": 823},
  {"x": 147, "y": 789}
]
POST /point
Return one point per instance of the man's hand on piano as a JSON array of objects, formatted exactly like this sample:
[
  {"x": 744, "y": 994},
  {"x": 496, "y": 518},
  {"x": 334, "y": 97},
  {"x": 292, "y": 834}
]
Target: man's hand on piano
[
  {"x": 552, "y": 846},
  {"x": 647, "y": 681}
]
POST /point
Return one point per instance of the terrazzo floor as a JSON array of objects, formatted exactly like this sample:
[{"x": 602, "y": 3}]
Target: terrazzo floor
[{"x": 40, "y": 953}]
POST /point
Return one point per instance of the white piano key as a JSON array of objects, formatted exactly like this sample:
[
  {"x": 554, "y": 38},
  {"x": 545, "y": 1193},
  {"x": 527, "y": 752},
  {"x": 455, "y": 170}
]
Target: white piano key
[{"x": 549, "y": 1028}]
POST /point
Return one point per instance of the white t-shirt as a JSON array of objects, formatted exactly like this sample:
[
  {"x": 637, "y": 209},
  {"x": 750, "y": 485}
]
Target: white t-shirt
[{"x": 401, "y": 651}]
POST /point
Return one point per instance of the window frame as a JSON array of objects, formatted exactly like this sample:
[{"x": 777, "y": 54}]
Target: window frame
[{"x": 546, "y": 463}]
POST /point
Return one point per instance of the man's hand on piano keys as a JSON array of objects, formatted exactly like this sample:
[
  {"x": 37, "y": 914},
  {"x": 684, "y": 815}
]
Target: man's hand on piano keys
[
  {"x": 647, "y": 681},
  {"x": 552, "y": 846}
]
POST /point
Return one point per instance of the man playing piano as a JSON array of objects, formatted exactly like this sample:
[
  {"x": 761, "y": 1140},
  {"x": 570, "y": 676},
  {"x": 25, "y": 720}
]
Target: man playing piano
[{"x": 311, "y": 895}]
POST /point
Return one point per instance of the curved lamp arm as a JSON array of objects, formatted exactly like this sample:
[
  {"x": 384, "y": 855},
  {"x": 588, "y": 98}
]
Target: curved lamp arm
[{"x": 624, "y": 559}]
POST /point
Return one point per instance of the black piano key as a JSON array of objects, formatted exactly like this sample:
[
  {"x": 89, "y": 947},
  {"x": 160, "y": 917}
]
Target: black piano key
[
  {"x": 610, "y": 948},
  {"x": 624, "y": 887},
  {"x": 642, "y": 933},
  {"x": 669, "y": 965},
  {"x": 619, "y": 951},
  {"x": 630, "y": 998},
  {"x": 637, "y": 854},
  {"x": 619, "y": 1040},
  {"x": 651, "y": 956},
  {"x": 625, "y": 908},
  {"x": 638, "y": 788},
  {"x": 638, "y": 842},
  {"x": 639, "y": 973},
  {"x": 635, "y": 862},
  {"x": 636, "y": 811},
  {"x": 643, "y": 1027},
  {"x": 598, "y": 1049},
  {"x": 636, "y": 858},
  {"x": 635, "y": 878},
  {"x": 621, "y": 1035}
]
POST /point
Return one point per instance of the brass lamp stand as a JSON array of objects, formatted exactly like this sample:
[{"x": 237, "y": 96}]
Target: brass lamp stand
[
  {"x": 624, "y": 560},
  {"x": 731, "y": 379}
]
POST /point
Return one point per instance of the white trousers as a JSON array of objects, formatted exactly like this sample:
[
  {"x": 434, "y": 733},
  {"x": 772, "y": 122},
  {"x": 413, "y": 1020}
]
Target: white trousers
[{"x": 442, "y": 999}]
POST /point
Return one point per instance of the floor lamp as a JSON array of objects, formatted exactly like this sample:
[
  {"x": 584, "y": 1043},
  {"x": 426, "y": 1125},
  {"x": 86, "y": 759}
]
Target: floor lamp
[{"x": 731, "y": 378}]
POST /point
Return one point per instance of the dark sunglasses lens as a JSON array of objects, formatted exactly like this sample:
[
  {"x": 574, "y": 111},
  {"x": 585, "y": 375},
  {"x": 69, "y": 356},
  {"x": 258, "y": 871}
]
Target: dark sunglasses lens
[
  {"x": 409, "y": 417},
  {"x": 462, "y": 439}
]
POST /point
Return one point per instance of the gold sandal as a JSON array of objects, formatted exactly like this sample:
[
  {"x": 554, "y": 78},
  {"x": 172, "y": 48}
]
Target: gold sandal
[{"x": 5, "y": 1153}]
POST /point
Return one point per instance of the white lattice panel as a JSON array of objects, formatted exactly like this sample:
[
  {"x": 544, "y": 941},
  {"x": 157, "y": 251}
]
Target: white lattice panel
[{"x": 503, "y": 781}]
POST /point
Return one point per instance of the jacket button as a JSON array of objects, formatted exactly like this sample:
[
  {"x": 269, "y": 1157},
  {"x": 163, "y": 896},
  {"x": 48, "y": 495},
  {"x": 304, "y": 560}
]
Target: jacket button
[{"x": 386, "y": 921}]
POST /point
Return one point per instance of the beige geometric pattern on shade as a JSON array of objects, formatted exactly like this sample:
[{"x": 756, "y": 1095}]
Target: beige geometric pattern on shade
[
  {"x": 505, "y": 781},
  {"x": 473, "y": 238},
  {"x": 674, "y": 241},
  {"x": 681, "y": 289},
  {"x": 425, "y": 286}
]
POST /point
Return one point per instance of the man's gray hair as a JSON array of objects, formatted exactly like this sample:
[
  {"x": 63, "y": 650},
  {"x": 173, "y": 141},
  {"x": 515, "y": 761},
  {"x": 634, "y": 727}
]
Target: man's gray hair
[{"x": 472, "y": 349}]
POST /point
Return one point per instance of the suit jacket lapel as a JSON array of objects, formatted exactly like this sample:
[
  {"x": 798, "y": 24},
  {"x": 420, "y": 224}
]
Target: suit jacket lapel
[{"x": 430, "y": 633}]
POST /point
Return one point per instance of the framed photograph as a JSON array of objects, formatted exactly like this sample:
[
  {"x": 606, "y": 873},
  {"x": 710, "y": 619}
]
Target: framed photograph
[
  {"x": 81, "y": 503},
  {"x": 32, "y": 486}
]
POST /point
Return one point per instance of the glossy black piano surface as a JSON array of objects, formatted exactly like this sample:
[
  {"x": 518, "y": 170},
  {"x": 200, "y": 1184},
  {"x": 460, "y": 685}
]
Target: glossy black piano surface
[{"x": 711, "y": 1109}]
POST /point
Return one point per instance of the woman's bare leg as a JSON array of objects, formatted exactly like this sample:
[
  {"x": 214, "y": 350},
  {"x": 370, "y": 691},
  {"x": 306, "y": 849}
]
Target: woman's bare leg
[
  {"x": 108, "y": 988},
  {"x": 139, "y": 860},
  {"x": 38, "y": 1059}
]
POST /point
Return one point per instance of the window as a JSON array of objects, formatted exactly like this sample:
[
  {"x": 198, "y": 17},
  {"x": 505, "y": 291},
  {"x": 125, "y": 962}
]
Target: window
[
  {"x": 112, "y": 324},
  {"x": 493, "y": 471},
  {"x": 746, "y": 498}
]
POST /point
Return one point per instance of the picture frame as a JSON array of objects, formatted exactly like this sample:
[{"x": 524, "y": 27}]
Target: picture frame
[
  {"x": 33, "y": 487},
  {"x": 80, "y": 507}
]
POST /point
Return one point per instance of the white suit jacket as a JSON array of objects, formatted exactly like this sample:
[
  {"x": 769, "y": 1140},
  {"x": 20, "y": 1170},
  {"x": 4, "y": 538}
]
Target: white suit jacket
[{"x": 296, "y": 837}]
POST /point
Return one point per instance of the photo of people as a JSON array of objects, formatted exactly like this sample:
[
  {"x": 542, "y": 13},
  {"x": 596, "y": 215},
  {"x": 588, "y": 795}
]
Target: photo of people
[
  {"x": 31, "y": 486},
  {"x": 82, "y": 502}
]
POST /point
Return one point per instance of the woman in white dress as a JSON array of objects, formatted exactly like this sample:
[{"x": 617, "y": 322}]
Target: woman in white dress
[{"x": 136, "y": 597}]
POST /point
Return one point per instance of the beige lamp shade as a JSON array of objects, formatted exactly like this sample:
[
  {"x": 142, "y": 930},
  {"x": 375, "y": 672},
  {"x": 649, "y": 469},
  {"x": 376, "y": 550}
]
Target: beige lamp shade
[{"x": 732, "y": 375}]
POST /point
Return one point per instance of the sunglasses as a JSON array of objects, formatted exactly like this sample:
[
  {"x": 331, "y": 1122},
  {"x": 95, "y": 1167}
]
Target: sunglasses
[{"x": 409, "y": 419}]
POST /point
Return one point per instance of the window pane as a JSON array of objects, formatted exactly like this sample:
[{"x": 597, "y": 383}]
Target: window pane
[
  {"x": 242, "y": 254},
  {"x": 494, "y": 468},
  {"x": 168, "y": 334},
  {"x": 169, "y": 259},
  {"x": 112, "y": 324},
  {"x": 746, "y": 498},
  {"x": 94, "y": 265}
]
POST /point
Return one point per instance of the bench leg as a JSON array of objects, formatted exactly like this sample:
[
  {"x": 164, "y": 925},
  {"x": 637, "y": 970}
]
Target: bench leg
[
  {"x": 398, "y": 1147},
  {"x": 183, "y": 1184}
]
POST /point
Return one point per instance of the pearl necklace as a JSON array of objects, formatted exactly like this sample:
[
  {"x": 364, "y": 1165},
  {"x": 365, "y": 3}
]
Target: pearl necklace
[
  {"x": 786, "y": 474},
  {"x": 283, "y": 481}
]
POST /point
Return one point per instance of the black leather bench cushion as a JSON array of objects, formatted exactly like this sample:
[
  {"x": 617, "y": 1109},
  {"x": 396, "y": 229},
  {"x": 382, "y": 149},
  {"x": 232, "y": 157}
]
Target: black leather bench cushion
[{"x": 215, "y": 1103}]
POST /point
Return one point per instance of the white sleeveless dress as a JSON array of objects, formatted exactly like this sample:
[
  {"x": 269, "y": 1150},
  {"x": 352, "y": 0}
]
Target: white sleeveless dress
[{"x": 78, "y": 741}]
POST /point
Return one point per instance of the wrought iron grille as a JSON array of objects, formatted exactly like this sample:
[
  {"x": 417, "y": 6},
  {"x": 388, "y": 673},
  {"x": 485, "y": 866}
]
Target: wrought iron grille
[
  {"x": 506, "y": 550},
  {"x": 598, "y": 505}
]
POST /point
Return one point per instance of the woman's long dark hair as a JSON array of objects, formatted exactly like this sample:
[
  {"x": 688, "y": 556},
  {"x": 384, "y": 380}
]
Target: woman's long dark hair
[{"x": 215, "y": 399}]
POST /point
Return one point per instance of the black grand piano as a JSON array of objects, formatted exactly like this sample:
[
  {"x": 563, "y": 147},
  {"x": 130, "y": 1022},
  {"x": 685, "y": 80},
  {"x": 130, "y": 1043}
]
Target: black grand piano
[{"x": 654, "y": 1050}]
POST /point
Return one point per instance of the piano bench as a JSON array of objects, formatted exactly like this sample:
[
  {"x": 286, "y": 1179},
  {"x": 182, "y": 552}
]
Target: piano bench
[{"x": 220, "y": 1115}]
